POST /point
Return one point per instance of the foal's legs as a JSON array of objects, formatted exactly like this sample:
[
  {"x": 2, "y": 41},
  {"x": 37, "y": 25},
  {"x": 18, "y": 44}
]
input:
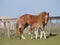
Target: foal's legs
[
  {"x": 36, "y": 32},
  {"x": 42, "y": 33},
  {"x": 31, "y": 32}
]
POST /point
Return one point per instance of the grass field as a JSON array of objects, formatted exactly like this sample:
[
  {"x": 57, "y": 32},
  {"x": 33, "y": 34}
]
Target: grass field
[{"x": 15, "y": 40}]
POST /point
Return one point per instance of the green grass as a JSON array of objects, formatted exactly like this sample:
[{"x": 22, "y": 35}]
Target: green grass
[{"x": 15, "y": 40}]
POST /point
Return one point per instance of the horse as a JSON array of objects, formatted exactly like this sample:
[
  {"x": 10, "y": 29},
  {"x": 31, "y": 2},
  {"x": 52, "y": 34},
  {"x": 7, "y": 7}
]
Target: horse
[
  {"x": 27, "y": 19},
  {"x": 40, "y": 25}
]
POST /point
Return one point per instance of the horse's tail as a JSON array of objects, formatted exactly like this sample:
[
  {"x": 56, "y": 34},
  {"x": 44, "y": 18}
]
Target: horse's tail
[{"x": 17, "y": 28}]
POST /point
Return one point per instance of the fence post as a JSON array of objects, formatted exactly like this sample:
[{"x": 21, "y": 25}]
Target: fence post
[
  {"x": 8, "y": 29},
  {"x": 49, "y": 25}
]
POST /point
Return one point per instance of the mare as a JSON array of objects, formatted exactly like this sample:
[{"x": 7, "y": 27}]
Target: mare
[{"x": 35, "y": 22}]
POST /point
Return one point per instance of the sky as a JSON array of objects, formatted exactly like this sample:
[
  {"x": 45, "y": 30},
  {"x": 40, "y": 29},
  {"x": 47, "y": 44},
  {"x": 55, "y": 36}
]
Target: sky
[{"x": 16, "y": 8}]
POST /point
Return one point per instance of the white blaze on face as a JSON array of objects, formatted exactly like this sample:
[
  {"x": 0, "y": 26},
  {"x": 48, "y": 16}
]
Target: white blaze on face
[
  {"x": 46, "y": 16},
  {"x": 46, "y": 19}
]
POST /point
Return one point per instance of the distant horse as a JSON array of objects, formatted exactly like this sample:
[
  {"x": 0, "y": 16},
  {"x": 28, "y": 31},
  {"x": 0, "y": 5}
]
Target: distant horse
[{"x": 28, "y": 19}]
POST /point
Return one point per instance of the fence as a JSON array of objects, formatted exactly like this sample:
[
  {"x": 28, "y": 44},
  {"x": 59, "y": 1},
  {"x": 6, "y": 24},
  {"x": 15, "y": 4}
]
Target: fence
[
  {"x": 6, "y": 25},
  {"x": 9, "y": 24},
  {"x": 54, "y": 24}
]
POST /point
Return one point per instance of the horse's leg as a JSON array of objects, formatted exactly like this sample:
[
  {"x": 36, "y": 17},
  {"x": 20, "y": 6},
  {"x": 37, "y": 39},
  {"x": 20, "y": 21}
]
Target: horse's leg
[
  {"x": 21, "y": 30},
  {"x": 42, "y": 33},
  {"x": 31, "y": 32},
  {"x": 21, "y": 33},
  {"x": 36, "y": 32}
]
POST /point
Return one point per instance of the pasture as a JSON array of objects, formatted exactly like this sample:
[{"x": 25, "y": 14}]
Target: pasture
[{"x": 15, "y": 39}]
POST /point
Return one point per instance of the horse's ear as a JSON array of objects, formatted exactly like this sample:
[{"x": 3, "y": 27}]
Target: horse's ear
[{"x": 48, "y": 13}]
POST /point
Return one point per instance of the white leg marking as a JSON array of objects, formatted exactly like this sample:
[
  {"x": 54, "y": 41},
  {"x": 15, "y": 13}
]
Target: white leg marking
[
  {"x": 44, "y": 34},
  {"x": 46, "y": 16},
  {"x": 41, "y": 34},
  {"x": 23, "y": 37},
  {"x": 36, "y": 32}
]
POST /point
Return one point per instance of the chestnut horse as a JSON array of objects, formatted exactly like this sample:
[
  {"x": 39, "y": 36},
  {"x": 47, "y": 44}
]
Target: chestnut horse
[{"x": 35, "y": 21}]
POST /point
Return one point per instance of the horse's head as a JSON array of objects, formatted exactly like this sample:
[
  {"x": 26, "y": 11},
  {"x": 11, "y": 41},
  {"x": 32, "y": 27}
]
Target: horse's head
[{"x": 44, "y": 16}]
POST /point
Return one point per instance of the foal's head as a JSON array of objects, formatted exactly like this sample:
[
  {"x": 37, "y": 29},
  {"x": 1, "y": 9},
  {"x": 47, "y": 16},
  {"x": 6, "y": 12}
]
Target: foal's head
[{"x": 44, "y": 16}]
